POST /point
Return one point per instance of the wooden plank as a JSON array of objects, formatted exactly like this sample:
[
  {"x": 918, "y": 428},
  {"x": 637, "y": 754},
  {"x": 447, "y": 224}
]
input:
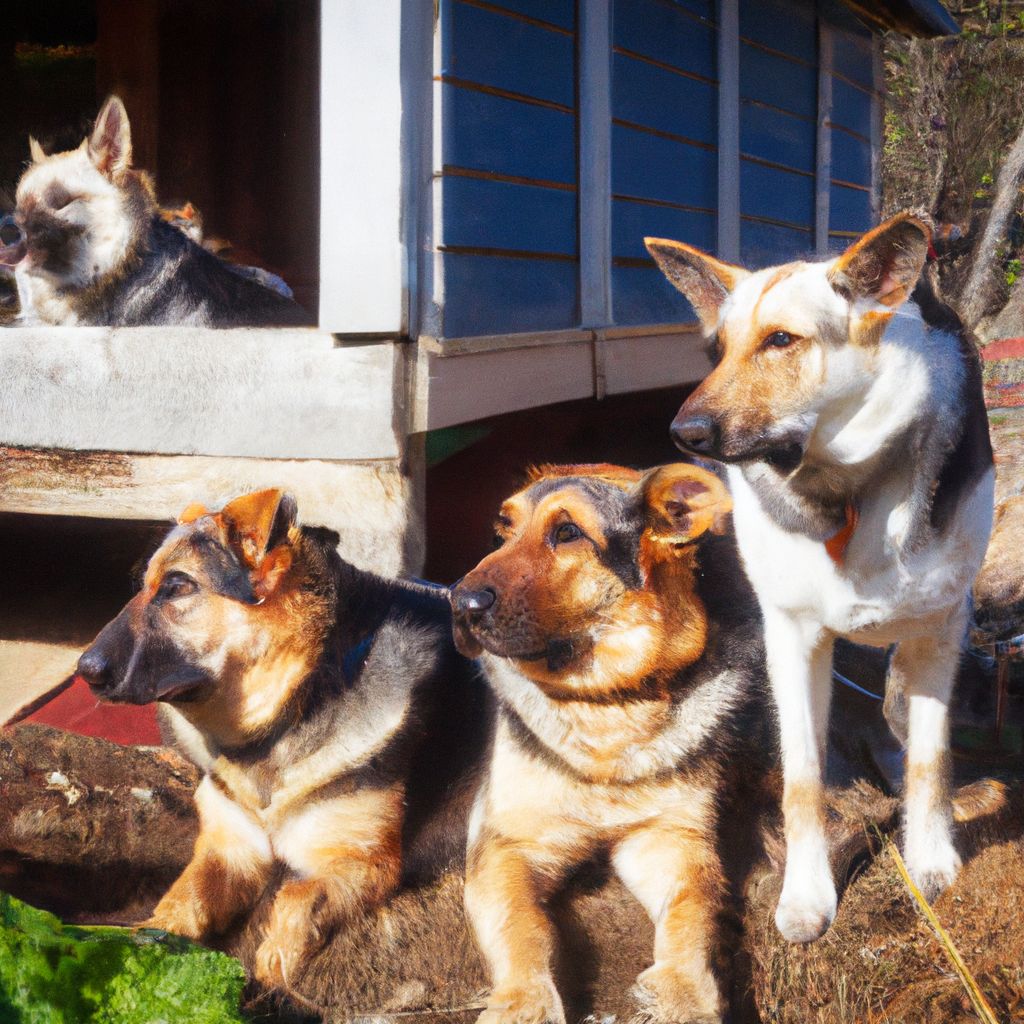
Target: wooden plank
[
  {"x": 728, "y": 179},
  {"x": 645, "y": 362},
  {"x": 652, "y": 167},
  {"x": 776, "y": 193},
  {"x": 259, "y": 393},
  {"x": 643, "y": 295},
  {"x": 851, "y": 209},
  {"x": 361, "y": 285},
  {"x": 776, "y": 136},
  {"x": 486, "y": 46},
  {"x": 779, "y": 82},
  {"x": 658, "y": 98},
  {"x": 498, "y": 295},
  {"x": 595, "y": 145},
  {"x": 767, "y": 244},
  {"x": 473, "y": 387},
  {"x": 782, "y": 25},
  {"x": 851, "y": 158},
  {"x": 667, "y": 33},
  {"x": 493, "y": 133},
  {"x": 369, "y": 505},
  {"x": 825, "y": 152},
  {"x": 505, "y": 342},
  {"x": 632, "y": 221},
  {"x": 555, "y": 12},
  {"x": 502, "y": 215},
  {"x": 851, "y": 107}
]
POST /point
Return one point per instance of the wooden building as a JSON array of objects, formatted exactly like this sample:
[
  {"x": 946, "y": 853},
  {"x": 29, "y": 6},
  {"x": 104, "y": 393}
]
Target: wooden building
[{"x": 460, "y": 188}]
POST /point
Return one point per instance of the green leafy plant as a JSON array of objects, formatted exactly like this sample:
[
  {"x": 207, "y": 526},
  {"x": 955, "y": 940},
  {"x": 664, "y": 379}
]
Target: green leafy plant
[{"x": 51, "y": 973}]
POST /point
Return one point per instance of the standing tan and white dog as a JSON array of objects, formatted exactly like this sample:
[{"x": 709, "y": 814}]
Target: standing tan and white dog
[{"x": 861, "y": 471}]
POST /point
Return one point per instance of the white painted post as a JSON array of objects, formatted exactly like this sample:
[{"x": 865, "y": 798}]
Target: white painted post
[
  {"x": 823, "y": 154},
  {"x": 729, "y": 130},
  {"x": 595, "y": 163},
  {"x": 362, "y": 263},
  {"x": 877, "y": 127}
]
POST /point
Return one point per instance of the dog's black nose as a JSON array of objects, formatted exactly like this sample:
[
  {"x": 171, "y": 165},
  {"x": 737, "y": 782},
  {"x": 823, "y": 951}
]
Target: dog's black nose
[
  {"x": 94, "y": 668},
  {"x": 473, "y": 602},
  {"x": 697, "y": 434}
]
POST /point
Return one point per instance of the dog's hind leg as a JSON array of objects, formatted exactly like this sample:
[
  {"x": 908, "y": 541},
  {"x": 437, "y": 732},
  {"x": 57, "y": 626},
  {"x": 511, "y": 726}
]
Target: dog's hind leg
[
  {"x": 228, "y": 871},
  {"x": 926, "y": 669},
  {"x": 671, "y": 867},
  {"x": 799, "y": 667}
]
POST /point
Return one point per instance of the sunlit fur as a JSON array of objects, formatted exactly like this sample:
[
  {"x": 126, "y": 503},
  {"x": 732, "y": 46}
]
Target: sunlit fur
[
  {"x": 85, "y": 213},
  {"x": 98, "y": 252},
  {"x": 241, "y": 629},
  {"x": 867, "y": 401},
  {"x": 617, "y": 701}
]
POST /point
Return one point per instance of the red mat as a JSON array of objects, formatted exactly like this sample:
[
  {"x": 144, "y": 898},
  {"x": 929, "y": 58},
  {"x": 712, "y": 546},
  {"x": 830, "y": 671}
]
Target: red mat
[{"x": 78, "y": 710}]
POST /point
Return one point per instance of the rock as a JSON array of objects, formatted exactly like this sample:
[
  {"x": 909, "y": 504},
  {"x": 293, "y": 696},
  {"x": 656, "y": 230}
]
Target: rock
[{"x": 76, "y": 837}]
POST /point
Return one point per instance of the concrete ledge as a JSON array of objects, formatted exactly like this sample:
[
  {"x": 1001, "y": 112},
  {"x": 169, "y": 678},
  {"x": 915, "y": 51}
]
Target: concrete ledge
[{"x": 280, "y": 394}]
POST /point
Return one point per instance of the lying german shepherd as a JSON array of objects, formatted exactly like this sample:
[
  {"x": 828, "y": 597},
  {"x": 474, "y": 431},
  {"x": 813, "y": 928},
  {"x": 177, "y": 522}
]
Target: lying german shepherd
[
  {"x": 335, "y": 722},
  {"x": 861, "y": 468},
  {"x": 96, "y": 251},
  {"x": 625, "y": 659}
]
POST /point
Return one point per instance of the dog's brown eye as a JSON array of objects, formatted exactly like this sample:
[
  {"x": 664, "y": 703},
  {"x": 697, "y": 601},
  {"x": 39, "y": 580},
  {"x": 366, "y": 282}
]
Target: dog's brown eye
[
  {"x": 174, "y": 585},
  {"x": 780, "y": 339},
  {"x": 567, "y": 532}
]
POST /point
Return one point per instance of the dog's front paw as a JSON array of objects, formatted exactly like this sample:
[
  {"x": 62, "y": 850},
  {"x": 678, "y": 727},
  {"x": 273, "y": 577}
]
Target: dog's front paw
[
  {"x": 184, "y": 917},
  {"x": 668, "y": 994},
  {"x": 805, "y": 912},
  {"x": 534, "y": 1003},
  {"x": 933, "y": 866},
  {"x": 291, "y": 936}
]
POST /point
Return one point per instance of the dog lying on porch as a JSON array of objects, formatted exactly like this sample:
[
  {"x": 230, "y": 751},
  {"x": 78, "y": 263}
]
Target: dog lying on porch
[{"x": 94, "y": 249}]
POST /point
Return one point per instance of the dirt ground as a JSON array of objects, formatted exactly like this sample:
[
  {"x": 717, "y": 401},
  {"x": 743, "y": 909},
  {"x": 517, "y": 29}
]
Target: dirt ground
[{"x": 95, "y": 832}]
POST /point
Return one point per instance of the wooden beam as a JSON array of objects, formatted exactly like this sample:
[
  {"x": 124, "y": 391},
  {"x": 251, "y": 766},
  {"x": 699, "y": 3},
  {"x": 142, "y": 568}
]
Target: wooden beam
[
  {"x": 823, "y": 151},
  {"x": 417, "y": 73},
  {"x": 187, "y": 391},
  {"x": 728, "y": 246},
  {"x": 648, "y": 361},
  {"x": 877, "y": 128},
  {"x": 369, "y": 505},
  {"x": 470, "y": 387},
  {"x": 451, "y": 389},
  {"x": 595, "y": 146}
]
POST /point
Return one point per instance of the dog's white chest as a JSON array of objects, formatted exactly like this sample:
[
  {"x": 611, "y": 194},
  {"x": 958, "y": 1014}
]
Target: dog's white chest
[{"x": 878, "y": 594}]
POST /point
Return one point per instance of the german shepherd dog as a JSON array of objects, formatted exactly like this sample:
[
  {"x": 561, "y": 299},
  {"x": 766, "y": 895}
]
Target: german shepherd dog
[
  {"x": 855, "y": 433},
  {"x": 95, "y": 250},
  {"x": 334, "y": 721},
  {"x": 624, "y": 660}
]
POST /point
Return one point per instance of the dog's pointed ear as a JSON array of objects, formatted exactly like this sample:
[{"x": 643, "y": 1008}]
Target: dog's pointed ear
[
  {"x": 110, "y": 145},
  {"x": 258, "y": 528},
  {"x": 704, "y": 280},
  {"x": 681, "y": 503},
  {"x": 884, "y": 264},
  {"x": 35, "y": 150},
  {"x": 192, "y": 512}
]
